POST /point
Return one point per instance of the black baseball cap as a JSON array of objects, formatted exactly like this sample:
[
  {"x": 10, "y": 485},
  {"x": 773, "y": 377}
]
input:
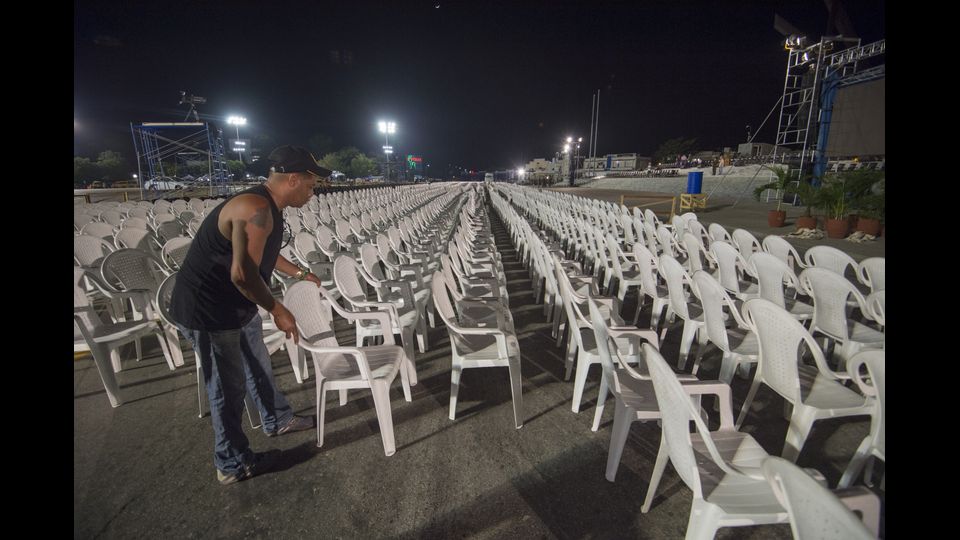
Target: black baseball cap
[{"x": 294, "y": 159}]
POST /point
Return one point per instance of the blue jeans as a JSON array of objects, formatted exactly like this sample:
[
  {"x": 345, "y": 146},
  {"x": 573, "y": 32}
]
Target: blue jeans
[{"x": 234, "y": 362}]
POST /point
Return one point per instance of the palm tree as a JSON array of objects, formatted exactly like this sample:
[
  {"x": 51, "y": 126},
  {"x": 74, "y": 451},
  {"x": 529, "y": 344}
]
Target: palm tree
[{"x": 782, "y": 175}]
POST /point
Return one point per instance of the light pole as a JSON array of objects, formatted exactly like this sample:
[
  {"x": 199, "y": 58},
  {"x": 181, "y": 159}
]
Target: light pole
[
  {"x": 576, "y": 159},
  {"x": 568, "y": 158},
  {"x": 520, "y": 173},
  {"x": 238, "y": 121},
  {"x": 387, "y": 128}
]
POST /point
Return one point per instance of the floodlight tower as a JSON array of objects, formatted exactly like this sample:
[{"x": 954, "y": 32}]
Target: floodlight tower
[{"x": 387, "y": 128}]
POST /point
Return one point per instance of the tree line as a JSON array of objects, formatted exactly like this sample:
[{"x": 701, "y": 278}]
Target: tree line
[{"x": 111, "y": 166}]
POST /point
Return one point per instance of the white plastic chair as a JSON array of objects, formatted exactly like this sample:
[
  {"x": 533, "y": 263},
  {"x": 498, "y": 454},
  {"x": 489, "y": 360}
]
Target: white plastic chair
[
  {"x": 89, "y": 251},
  {"x": 175, "y": 250},
  {"x": 680, "y": 304},
  {"x": 476, "y": 347},
  {"x": 344, "y": 368},
  {"x": 81, "y": 219},
  {"x": 815, "y": 392},
  {"x": 772, "y": 276},
  {"x": 830, "y": 292},
  {"x": 135, "y": 238},
  {"x": 872, "y": 273},
  {"x": 720, "y": 467},
  {"x": 717, "y": 232},
  {"x": 581, "y": 339},
  {"x": 874, "y": 445},
  {"x": 783, "y": 250},
  {"x": 694, "y": 227},
  {"x": 815, "y": 511},
  {"x": 135, "y": 223},
  {"x": 739, "y": 345},
  {"x": 397, "y": 291},
  {"x": 745, "y": 242},
  {"x": 633, "y": 394},
  {"x": 732, "y": 270},
  {"x": 876, "y": 307},
  {"x": 402, "y": 321},
  {"x": 99, "y": 229},
  {"x": 649, "y": 285},
  {"x": 104, "y": 339},
  {"x": 697, "y": 253},
  {"x": 830, "y": 258},
  {"x": 273, "y": 341},
  {"x": 626, "y": 277}
]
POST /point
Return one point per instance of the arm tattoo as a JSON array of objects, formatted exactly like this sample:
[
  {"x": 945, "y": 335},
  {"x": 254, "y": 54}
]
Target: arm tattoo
[{"x": 260, "y": 218}]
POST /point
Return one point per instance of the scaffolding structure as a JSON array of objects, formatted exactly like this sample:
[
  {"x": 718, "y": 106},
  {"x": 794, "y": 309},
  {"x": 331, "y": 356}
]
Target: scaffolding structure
[
  {"x": 177, "y": 143},
  {"x": 814, "y": 74}
]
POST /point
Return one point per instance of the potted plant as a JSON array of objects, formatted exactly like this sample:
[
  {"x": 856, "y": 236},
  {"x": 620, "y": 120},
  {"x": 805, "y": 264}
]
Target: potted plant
[
  {"x": 833, "y": 200},
  {"x": 775, "y": 218},
  {"x": 869, "y": 198},
  {"x": 808, "y": 195}
]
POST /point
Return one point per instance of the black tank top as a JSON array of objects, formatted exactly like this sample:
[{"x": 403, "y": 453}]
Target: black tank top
[{"x": 204, "y": 297}]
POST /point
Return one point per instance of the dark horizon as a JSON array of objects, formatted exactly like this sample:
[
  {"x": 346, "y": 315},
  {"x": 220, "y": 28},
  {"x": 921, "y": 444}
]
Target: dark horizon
[{"x": 481, "y": 85}]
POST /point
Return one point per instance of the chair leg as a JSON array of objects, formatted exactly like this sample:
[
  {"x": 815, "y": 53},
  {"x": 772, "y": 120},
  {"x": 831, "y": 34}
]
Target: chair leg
[
  {"x": 571, "y": 350},
  {"x": 173, "y": 341},
  {"x": 297, "y": 361},
  {"x": 455, "y": 373},
  {"x": 516, "y": 390},
  {"x": 249, "y": 405},
  {"x": 107, "y": 374},
  {"x": 556, "y": 310},
  {"x": 686, "y": 340},
  {"x": 704, "y": 521},
  {"x": 601, "y": 399},
  {"x": 431, "y": 315},
  {"x": 754, "y": 386},
  {"x": 115, "y": 360},
  {"x": 406, "y": 368},
  {"x": 422, "y": 336},
  {"x": 406, "y": 338},
  {"x": 797, "y": 432},
  {"x": 381, "y": 400},
  {"x": 856, "y": 464},
  {"x": 321, "y": 408},
  {"x": 200, "y": 388},
  {"x": 560, "y": 325},
  {"x": 579, "y": 381},
  {"x": 167, "y": 350},
  {"x": 623, "y": 417},
  {"x": 636, "y": 314},
  {"x": 663, "y": 455},
  {"x": 727, "y": 367}
]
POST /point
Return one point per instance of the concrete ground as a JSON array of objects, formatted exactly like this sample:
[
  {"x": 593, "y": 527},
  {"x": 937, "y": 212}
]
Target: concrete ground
[{"x": 145, "y": 469}]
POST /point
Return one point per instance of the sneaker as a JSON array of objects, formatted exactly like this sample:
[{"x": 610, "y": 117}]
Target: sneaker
[
  {"x": 261, "y": 463},
  {"x": 296, "y": 423}
]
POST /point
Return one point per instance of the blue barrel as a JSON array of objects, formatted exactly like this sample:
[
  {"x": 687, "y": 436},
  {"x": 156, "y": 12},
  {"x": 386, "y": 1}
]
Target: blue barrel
[{"x": 694, "y": 181}]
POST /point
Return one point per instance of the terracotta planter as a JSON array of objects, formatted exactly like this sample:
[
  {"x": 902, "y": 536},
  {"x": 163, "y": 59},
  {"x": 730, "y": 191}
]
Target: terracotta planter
[
  {"x": 837, "y": 228},
  {"x": 806, "y": 222},
  {"x": 776, "y": 218},
  {"x": 869, "y": 226}
]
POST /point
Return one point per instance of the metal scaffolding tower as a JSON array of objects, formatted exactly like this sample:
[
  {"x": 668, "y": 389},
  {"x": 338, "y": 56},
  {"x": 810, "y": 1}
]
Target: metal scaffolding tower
[
  {"x": 814, "y": 73},
  {"x": 159, "y": 142}
]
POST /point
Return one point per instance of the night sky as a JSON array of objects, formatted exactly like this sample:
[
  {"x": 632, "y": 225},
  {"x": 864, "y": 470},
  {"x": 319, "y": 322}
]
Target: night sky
[{"x": 483, "y": 85}]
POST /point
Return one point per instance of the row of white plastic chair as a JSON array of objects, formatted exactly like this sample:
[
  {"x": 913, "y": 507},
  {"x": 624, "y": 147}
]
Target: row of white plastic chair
[{"x": 705, "y": 517}]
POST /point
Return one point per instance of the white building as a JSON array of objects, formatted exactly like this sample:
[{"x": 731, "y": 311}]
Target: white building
[
  {"x": 615, "y": 162},
  {"x": 542, "y": 169}
]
